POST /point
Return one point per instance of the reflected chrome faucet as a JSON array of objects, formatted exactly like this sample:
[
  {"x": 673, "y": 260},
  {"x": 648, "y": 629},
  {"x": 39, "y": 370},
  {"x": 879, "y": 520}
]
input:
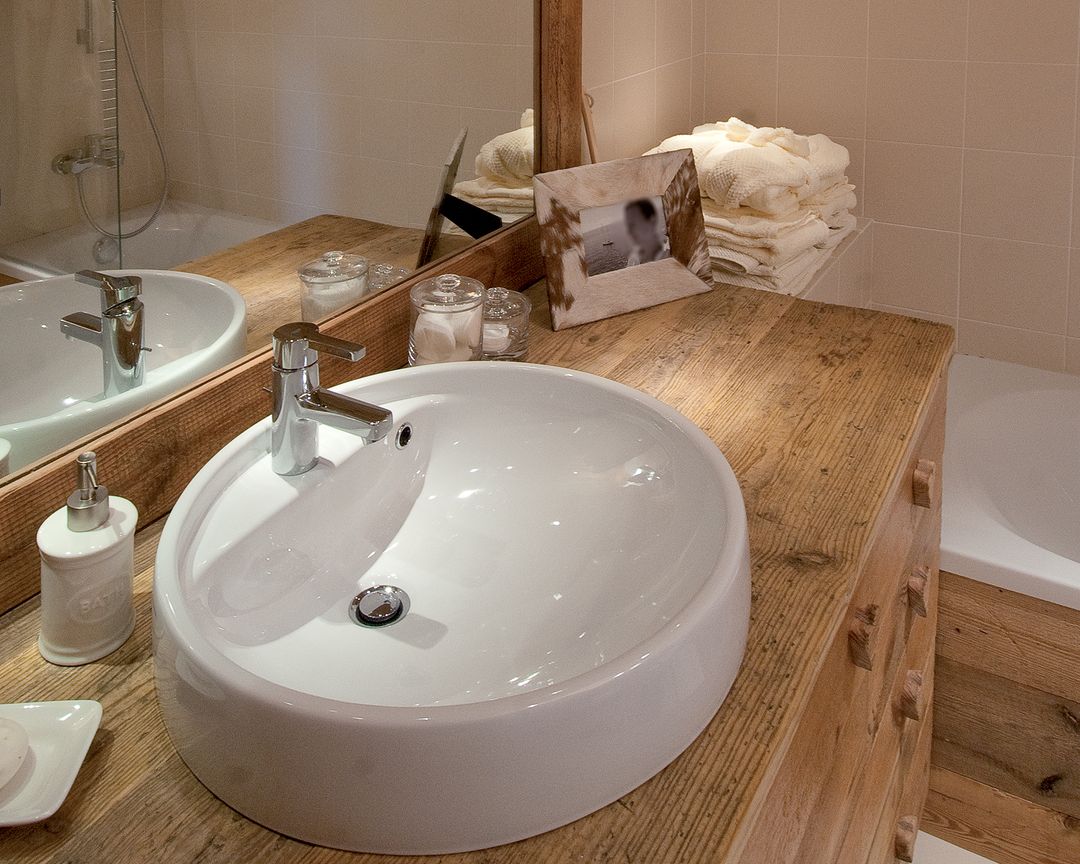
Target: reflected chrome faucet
[
  {"x": 300, "y": 405},
  {"x": 118, "y": 332}
]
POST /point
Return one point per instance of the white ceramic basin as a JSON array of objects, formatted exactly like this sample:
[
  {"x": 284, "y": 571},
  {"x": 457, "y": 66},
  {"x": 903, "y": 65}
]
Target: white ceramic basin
[
  {"x": 577, "y": 562},
  {"x": 53, "y": 388}
]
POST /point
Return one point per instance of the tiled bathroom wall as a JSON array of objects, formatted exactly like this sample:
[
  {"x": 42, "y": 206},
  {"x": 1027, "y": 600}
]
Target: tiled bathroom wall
[
  {"x": 286, "y": 108},
  {"x": 960, "y": 116},
  {"x": 638, "y": 65}
]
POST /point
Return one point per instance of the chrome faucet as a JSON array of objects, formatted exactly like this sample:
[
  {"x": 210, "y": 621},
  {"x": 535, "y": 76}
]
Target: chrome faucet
[
  {"x": 118, "y": 332},
  {"x": 300, "y": 405}
]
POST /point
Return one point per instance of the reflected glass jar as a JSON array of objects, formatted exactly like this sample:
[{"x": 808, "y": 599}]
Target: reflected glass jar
[
  {"x": 385, "y": 275},
  {"x": 446, "y": 320},
  {"x": 506, "y": 324},
  {"x": 332, "y": 282}
]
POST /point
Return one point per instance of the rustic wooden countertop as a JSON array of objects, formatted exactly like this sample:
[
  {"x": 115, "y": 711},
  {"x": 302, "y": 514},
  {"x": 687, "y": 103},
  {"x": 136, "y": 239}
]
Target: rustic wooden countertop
[
  {"x": 813, "y": 406},
  {"x": 264, "y": 269}
]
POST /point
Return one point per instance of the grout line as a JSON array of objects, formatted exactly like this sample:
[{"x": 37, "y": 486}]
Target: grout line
[{"x": 963, "y": 150}]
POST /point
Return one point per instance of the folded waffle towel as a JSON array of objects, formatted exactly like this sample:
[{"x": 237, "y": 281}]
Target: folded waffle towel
[
  {"x": 493, "y": 195},
  {"x": 793, "y": 279},
  {"x": 758, "y": 261},
  {"x": 741, "y": 166},
  {"x": 508, "y": 158}
]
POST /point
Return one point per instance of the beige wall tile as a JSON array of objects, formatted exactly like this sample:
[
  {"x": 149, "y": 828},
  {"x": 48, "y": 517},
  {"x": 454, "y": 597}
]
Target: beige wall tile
[
  {"x": 254, "y": 59},
  {"x": 337, "y": 69},
  {"x": 1074, "y": 294},
  {"x": 915, "y": 268},
  {"x": 338, "y": 17},
  {"x": 699, "y": 24},
  {"x": 1072, "y": 356},
  {"x": 913, "y": 184},
  {"x": 1044, "y": 350},
  {"x": 674, "y": 87},
  {"x": 1042, "y": 32},
  {"x": 598, "y": 44},
  {"x": 823, "y": 94},
  {"x": 1021, "y": 106},
  {"x": 916, "y": 101},
  {"x": 217, "y": 161},
  {"x": 296, "y": 118},
  {"x": 635, "y": 115},
  {"x": 825, "y": 286},
  {"x": 252, "y": 162},
  {"x": 254, "y": 113},
  {"x": 674, "y": 31},
  {"x": 215, "y": 59},
  {"x": 918, "y": 29},
  {"x": 214, "y": 15},
  {"x": 1017, "y": 196},
  {"x": 741, "y": 85},
  {"x": 635, "y": 37},
  {"x": 253, "y": 16},
  {"x": 1018, "y": 284},
  {"x": 384, "y": 129},
  {"x": 831, "y": 28},
  {"x": 178, "y": 54},
  {"x": 742, "y": 27},
  {"x": 1076, "y": 205},
  {"x": 697, "y": 88},
  {"x": 293, "y": 18}
]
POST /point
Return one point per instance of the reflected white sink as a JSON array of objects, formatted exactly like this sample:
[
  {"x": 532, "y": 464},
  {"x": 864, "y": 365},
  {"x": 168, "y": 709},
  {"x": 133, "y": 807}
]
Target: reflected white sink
[
  {"x": 577, "y": 562},
  {"x": 52, "y": 390}
]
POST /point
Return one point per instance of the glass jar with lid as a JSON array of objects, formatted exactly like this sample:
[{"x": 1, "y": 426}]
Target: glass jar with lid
[
  {"x": 446, "y": 320},
  {"x": 506, "y": 324},
  {"x": 332, "y": 282}
]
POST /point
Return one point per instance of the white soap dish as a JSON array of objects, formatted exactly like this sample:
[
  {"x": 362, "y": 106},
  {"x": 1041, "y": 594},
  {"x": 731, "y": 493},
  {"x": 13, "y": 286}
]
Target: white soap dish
[{"x": 60, "y": 734}]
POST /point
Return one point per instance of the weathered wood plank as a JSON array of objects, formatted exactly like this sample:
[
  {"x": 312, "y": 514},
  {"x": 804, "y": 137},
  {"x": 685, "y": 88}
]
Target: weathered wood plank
[
  {"x": 1015, "y": 738},
  {"x": 992, "y": 823}
]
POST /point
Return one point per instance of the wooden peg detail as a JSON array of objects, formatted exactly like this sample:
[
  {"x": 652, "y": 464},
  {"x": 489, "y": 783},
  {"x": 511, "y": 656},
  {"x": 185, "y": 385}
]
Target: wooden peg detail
[
  {"x": 911, "y": 696},
  {"x": 917, "y": 587},
  {"x": 861, "y": 636},
  {"x": 924, "y": 483},
  {"x": 907, "y": 829}
]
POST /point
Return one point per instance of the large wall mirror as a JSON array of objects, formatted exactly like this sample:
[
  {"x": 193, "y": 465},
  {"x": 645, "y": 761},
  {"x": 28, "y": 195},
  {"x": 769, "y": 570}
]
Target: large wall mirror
[{"x": 151, "y": 135}]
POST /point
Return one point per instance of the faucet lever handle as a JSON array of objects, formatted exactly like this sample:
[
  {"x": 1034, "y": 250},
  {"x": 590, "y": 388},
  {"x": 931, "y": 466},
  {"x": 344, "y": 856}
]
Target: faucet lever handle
[
  {"x": 295, "y": 346},
  {"x": 114, "y": 289}
]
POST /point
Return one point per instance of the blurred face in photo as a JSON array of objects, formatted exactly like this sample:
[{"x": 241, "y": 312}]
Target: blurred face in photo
[{"x": 645, "y": 228}]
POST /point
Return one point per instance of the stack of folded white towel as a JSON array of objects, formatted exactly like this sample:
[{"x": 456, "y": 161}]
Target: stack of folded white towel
[
  {"x": 775, "y": 203},
  {"x": 504, "y": 171}
]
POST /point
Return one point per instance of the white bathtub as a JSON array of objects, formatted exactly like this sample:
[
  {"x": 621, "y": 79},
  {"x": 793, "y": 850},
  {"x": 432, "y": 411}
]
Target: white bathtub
[
  {"x": 182, "y": 232},
  {"x": 1011, "y": 494}
]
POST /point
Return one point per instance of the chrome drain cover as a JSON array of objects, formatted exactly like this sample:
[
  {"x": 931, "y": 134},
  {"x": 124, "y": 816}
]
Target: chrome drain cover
[{"x": 379, "y": 606}]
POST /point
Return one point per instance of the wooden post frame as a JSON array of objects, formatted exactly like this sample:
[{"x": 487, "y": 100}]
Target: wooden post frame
[
  {"x": 151, "y": 456},
  {"x": 586, "y": 282}
]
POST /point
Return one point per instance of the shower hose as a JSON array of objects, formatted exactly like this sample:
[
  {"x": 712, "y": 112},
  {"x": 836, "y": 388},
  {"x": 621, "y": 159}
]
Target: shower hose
[{"x": 157, "y": 138}]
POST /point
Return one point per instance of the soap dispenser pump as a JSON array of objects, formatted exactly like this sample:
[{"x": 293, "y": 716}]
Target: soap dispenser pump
[{"x": 87, "y": 571}]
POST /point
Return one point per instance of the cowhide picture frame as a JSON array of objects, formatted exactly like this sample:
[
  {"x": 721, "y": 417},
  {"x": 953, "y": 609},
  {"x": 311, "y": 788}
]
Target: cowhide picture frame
[{"x": 591, "y": 219}]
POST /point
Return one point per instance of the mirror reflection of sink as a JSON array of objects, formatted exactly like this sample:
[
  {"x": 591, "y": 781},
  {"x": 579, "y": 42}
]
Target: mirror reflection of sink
[
  {"x": 53, "y": 389},
  {"x": 574, "y": 556}
]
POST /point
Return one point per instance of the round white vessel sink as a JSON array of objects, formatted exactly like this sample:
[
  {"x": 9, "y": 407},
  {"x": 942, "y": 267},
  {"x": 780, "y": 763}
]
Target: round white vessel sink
[
  {"x": 574, "y": 562},
  {"x": 53, "y": 393}
]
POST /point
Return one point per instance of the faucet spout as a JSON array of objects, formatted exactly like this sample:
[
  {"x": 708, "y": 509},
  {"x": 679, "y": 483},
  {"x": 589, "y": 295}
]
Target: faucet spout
[{"x": 370, "y": 422}]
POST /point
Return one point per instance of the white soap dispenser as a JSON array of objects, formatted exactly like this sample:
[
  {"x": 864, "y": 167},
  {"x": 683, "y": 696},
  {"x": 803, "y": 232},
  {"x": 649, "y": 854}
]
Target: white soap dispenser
[{"x": 87, "y": 569}]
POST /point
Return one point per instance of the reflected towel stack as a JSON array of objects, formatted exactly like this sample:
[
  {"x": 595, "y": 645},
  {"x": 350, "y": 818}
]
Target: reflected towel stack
[
  {"x": 504, "y": 171},
  {"x": 775, "y": 203}
]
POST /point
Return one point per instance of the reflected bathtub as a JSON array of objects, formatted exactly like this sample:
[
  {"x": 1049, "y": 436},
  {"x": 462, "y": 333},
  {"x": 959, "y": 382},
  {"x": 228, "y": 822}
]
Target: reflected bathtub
[{"x": 181, "y": 233}]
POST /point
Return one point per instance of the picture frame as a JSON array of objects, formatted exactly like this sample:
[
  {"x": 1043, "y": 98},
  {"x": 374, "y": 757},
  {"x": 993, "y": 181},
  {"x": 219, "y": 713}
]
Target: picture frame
[{"x": 620, "y": 236}]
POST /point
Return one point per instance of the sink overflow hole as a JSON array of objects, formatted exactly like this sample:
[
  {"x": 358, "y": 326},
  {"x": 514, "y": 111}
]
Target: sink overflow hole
[
  {"x": 404, "y": 436},
  {"x": 379, "y": 606}
]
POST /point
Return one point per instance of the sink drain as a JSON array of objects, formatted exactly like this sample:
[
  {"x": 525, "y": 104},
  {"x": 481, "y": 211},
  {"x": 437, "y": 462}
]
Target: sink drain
[{"x": 379, "y": 606}]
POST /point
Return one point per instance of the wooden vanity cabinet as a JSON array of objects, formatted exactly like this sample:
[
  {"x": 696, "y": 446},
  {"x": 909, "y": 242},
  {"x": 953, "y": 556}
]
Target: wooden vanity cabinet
[{"x": 852, "y": 783}]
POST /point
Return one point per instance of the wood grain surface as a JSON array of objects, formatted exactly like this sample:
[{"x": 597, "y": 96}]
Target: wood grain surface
[
  {"x": 815, "y": 407},
  {"x": 1007, "y": 720},
  {"x": 995, "y": 824}
]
